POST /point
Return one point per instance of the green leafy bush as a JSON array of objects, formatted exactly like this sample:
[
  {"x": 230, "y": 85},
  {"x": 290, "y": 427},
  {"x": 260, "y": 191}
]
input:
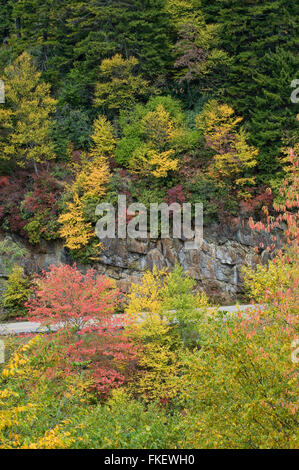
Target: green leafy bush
[
  {"x": 16, "y": 293},
  {"x": 39, "y": 405},
  {"x": 126, "y": 147},
  {"x": 11, "y": 253},
  {"x": 72, "y": 126},
  {"x": 125, "y": 423},
  {"x": 160, "y": 124}
]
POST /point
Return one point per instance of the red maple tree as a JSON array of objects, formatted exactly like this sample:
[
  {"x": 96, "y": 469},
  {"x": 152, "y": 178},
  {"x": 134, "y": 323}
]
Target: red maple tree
[{"x": 82, "y": 308}]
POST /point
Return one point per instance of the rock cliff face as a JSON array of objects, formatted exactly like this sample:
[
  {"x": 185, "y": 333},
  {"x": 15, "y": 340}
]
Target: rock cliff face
[{"x": 216, "y": 266}]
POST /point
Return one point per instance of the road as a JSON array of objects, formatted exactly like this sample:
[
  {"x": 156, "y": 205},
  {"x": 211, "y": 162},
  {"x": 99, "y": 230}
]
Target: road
[{"x": 27, "y": 327}]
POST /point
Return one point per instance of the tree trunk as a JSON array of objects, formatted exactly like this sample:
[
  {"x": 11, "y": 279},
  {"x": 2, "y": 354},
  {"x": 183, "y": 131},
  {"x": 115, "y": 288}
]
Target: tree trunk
[{"x": 35, "y": 167}]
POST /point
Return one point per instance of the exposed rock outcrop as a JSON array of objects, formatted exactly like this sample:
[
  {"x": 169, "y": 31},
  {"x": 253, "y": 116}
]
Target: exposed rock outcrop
[{"x": 217, "y": 266}]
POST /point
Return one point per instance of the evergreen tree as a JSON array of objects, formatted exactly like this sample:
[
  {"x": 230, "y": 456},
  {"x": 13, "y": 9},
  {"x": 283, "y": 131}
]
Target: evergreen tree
[
  {"x": 273, "y": 116},
  {"x": 43, "y": 31},
  {"x": 262, "y": 40},
  {"x": 5, "y": 20},
  {"x": 139, "y": 28},
  {"x": 69, "y": 40}
]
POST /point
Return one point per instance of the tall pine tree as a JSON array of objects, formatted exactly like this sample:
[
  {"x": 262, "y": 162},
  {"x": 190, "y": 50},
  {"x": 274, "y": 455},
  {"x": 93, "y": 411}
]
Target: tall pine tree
[
  {"x": 262, "y": 40},
  {"x": 139, "y": 28}
]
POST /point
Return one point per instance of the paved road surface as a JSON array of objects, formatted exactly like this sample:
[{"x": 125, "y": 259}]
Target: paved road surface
[{"x": 33, "y": 327}]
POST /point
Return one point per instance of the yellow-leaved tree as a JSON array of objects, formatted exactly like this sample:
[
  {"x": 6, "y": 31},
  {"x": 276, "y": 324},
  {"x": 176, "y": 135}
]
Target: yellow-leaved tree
[
  {"x": 146, "y": 161},
  {"x": 119, "y": 87},
  {"x": 158, "y": 127},
  {"x": 155, "y": 156},
  {"x": 75, "y": 229},
  {"x": 161, "y": 312},
  {"x": 25, "y": 117},
  {"x": 91, "y": 176},
  {"x": 146, "y": 324},
  {"x": 234, "y": 157},
  {"x": 103, "y": 137},
  {"x": 36, "y": 412}
]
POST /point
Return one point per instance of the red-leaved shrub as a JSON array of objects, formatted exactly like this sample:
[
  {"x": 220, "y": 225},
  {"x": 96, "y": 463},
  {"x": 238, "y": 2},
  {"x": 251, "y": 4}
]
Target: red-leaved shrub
[{"x": 82, "y": 306}]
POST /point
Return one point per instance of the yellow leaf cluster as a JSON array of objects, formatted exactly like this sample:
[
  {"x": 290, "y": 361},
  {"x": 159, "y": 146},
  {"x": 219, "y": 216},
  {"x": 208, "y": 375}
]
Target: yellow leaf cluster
[
  {"x": 56, "y": 438},
  {"x": 182, "y": 12},
  {"x": 75, "y": 230},
  {"x": 92, "y": 178},
  {"x": 119, "y": 87},
  {"x": 233, "y": 154},
  {"x": 26, "y": 114},
  {"x": 161, "y": 365},
  {"x": 155, "y": 157},
  {"x": 234, "y": 162},
  {"x": 217, "y": 121},
  {"x": 103, "y": 138},
  {"x": 162, "y": 163},
  {"x": 150, "y": 328},
  {"x": 20, "y": 413},
  {"x": 146, "y": 296},
  {"x": 158, "y": 127},
  {"x": 264, "y": 279},
  {"x": 146, "y": 161}
]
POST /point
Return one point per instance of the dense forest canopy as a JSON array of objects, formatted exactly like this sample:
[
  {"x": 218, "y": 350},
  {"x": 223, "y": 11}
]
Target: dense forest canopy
[{"x": 191, "y": 100}]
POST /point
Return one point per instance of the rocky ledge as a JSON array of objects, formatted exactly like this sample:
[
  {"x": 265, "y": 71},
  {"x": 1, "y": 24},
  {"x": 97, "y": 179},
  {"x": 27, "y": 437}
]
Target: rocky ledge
[{"x": 217, "y": 266}]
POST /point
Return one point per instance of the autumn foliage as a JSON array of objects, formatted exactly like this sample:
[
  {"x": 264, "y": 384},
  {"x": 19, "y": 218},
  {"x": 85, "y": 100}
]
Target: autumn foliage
[
  {"x": 29, "y": 205},
  {"x": 234, "y": 157},
  {"x": 26, "y": 119},
  {"x": 82, "y": 307},
  {"x": 216, "y": 380},
  {"x": 245, "y": 373},
  {"x": 165, "y": 102}
]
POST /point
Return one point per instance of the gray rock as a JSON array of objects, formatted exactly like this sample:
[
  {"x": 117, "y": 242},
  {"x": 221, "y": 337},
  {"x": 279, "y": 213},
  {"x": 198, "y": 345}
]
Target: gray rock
[{"x": 216, "y": 266}]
